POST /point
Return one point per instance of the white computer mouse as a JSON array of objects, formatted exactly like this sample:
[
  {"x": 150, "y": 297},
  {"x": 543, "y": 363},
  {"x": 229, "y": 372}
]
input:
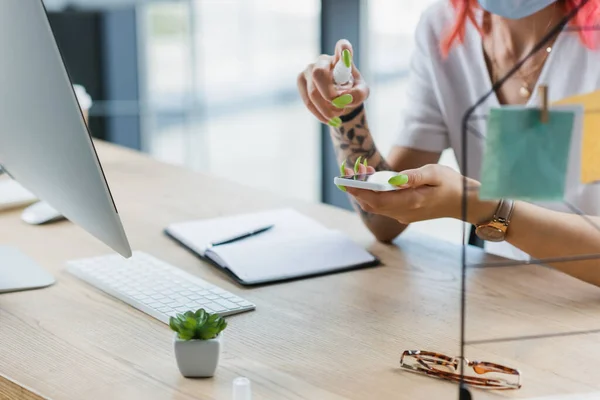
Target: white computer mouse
[{"x": 40, "y": 213}]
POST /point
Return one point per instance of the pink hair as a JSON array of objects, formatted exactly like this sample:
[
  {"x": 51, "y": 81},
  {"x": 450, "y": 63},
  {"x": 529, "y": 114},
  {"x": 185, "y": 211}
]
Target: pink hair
[{"x": 588, "y": 15}]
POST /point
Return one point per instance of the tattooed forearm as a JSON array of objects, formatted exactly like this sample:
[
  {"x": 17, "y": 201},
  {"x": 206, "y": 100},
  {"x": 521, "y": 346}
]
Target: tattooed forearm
[{"x": 353, "y": 140}]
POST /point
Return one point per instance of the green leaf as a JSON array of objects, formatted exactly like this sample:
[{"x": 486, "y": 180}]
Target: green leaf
[
  {"x": 174, "y": 324},
  {"x": 186, "y": 335},
  {"x": 213, "y": 326},
  {"x": 189, "y": 314},
  {"x": 207, "y": 334},
  {"x": 201, "y": 316},
  {"x": 212, "y": 318},
  {"x": 222, "y": 325},
  {"x": 190, "y": 323}
]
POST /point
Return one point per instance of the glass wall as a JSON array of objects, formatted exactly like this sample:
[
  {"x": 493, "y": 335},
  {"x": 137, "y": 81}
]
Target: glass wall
[
  {"x": 220, "y": 90},
  {"x": 390, "y": 42}
]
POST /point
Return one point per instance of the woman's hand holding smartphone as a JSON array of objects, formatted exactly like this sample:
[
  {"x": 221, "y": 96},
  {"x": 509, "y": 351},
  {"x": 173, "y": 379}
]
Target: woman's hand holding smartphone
[{"x": 365, "y": 177}]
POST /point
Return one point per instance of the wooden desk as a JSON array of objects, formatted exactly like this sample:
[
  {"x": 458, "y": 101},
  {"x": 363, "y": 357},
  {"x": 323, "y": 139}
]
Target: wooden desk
[{"x": 334, "y": 337}]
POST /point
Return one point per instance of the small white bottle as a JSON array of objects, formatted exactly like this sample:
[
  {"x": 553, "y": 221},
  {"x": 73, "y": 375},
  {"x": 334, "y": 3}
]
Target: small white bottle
[
  {"x": 242, "y": 389},
  {"x": 342, "y": 71}
]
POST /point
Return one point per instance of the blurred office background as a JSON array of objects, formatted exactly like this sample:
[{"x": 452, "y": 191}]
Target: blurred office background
[{"x": 211, "y": 84}]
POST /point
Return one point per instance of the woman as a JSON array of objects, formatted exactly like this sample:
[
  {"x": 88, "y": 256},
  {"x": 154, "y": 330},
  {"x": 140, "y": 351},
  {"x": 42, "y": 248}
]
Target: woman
[{"x": 462, "y": 47}]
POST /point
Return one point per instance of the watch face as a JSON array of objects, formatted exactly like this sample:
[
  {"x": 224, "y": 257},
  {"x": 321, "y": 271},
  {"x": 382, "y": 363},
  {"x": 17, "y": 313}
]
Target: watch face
[{"x": 490, "y": 233}]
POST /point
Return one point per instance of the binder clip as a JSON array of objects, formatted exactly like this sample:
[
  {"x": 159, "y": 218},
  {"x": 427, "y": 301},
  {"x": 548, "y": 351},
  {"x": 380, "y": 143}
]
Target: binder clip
[{"x": 543, "y": 94}]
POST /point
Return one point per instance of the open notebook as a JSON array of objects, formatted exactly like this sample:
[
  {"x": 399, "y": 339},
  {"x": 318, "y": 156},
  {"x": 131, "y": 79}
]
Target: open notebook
[{"x": 295, "y": 247}]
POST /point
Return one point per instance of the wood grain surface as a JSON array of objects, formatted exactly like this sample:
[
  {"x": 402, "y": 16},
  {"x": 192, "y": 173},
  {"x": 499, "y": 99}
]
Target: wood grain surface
[{"x": 333, "y": 337}]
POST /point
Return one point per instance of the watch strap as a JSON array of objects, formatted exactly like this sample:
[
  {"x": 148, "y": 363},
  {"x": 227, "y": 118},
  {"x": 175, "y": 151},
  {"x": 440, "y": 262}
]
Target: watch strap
[{"x": 504, "y": 211}]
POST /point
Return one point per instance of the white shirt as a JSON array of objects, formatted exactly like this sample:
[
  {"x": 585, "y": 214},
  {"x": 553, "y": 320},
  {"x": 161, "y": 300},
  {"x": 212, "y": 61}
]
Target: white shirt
[{"x": 442, "y": 90}]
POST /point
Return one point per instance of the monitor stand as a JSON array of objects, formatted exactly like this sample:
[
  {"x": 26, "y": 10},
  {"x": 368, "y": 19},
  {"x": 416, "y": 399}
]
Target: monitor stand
[{"x": 18, "y": 272}]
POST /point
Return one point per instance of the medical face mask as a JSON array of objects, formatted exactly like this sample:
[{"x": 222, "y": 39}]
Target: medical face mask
[{"x": 514, "y": 9}]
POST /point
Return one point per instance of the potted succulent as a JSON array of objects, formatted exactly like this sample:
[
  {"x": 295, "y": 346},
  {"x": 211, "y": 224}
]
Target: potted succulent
[{"x": 197, "y": 342}]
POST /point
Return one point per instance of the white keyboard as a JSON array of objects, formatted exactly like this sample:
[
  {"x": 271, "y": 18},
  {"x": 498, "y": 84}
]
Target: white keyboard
[{"x": 155, "y": 287}]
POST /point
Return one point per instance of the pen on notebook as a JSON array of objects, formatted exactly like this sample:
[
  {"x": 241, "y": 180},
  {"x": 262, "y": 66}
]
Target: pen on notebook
[{"x": 242, "y": 236}]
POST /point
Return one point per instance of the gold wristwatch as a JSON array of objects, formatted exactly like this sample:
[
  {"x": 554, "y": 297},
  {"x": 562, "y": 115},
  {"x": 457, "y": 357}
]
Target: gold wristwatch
[{"x": 495, "y": 229}]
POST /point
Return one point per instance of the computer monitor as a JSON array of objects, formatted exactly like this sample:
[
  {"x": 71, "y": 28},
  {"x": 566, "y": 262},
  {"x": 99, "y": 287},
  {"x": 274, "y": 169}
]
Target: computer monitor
[{"x": 45, "y": 144}]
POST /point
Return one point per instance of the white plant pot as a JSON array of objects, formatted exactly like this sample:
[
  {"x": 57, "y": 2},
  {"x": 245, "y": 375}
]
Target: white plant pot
[{"x": 198, "y": 358}]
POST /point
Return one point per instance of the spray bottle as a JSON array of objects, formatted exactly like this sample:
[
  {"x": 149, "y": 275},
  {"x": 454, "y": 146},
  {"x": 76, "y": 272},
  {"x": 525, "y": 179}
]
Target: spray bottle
[{"x": 242, "y": 389}]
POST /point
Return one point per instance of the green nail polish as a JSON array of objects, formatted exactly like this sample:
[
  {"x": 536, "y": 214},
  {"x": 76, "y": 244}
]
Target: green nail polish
[
  {"x": 343, "y": 169},
  {"x": 343, "y": 100},
  {"x": 347, "y": 57},
  {"x": 398, "y": 180},
  {"x": 365, "y": 163},
  {"x": 335, "y": 122},
  {"x": 356, "y": 164},
  {"x": 342, "y": 188}
]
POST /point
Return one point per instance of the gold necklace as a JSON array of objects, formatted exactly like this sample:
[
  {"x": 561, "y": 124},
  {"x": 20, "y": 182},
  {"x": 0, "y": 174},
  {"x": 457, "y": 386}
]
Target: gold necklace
[{"x": 525, "y": 89}]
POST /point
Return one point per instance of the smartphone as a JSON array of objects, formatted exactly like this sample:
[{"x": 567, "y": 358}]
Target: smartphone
[{"x": 377, "y": 181}]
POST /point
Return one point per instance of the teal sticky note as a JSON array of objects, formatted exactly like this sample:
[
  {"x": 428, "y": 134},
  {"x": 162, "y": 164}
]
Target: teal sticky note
[{"x": 524, "y": 158}]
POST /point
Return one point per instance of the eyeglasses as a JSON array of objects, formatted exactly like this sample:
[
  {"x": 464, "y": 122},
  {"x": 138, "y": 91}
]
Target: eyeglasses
[{"x": 443, "y": 367}]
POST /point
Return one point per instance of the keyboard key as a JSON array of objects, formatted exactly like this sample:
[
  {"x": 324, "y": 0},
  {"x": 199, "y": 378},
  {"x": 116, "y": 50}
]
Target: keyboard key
[
  {"x": 182, "y": 300},
  {"x": 244, "y": 303},
  {"x": 163, "y": 309},
  {"x": 227, "y": 304},
  {"x": 216, "y": 307},
  {"x": 212, "y": 297},
  {"x": 237, "y": 299},
  {"x": 193, "y": 297}
]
